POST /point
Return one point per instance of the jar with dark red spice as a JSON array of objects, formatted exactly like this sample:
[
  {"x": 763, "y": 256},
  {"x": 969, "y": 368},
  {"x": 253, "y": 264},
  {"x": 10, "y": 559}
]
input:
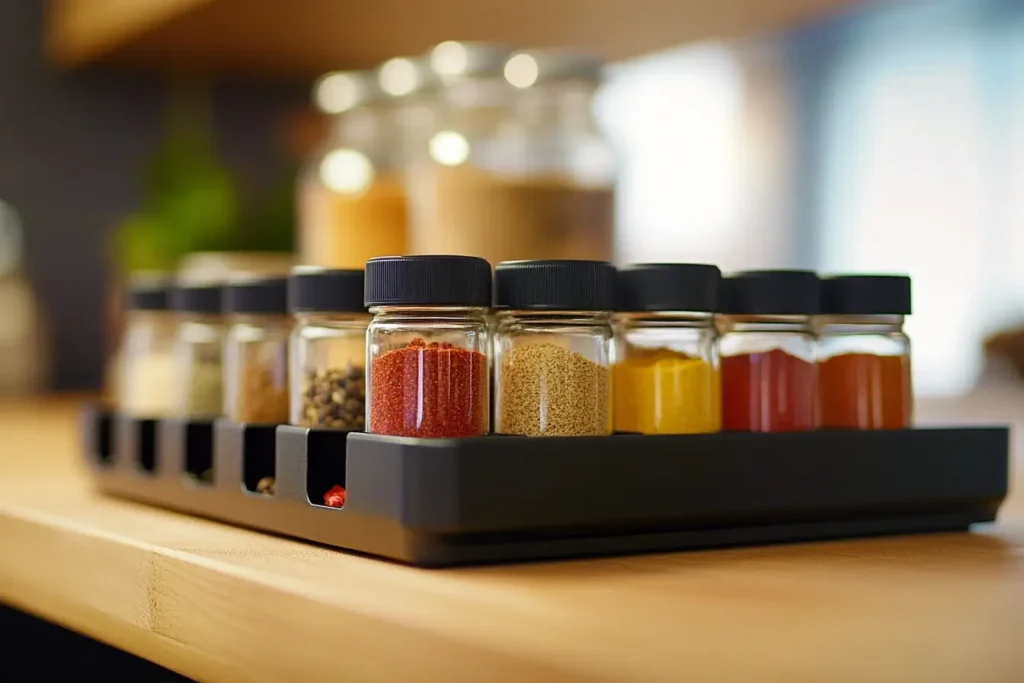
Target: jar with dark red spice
[
  {"x": 768, "y": 351},
  {"x": 428, "y": 346}
]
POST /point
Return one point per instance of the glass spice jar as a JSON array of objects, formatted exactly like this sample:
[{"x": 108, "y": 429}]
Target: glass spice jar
[
  {"x": 767, "y": 350},
  {"x": 351, "y": 200},
  {"x": 863, "y": 355},
  {"x": 553, "y": 347},
  {"x": 144, "y": 386},
  {"x": 198, "y": 348},
  {"x": 428, "y": 346},
  {"x": 256, "y": 351},
  {"x": 327, "y": 348},
  {"x": 665, "y": 377}
]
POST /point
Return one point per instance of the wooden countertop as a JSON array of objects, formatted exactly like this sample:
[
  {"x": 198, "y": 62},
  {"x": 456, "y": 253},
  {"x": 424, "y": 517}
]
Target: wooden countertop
[{"x": 219, "y": 603}]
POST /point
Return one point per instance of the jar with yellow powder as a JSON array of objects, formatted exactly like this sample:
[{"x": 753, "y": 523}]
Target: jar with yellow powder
[{"x": 665, "y": 379}]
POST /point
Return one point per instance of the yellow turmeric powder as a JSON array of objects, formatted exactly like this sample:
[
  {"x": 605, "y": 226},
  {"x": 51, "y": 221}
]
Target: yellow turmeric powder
[{"x": 666, "y": 392}]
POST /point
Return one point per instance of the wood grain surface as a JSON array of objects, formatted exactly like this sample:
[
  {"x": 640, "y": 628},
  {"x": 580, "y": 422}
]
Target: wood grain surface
[
  {"x": 263, "y": 38},
  {"x": 218, "y": 603}
]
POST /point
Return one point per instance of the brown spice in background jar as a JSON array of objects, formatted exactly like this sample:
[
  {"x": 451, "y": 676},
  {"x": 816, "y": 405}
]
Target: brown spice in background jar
[
  {"x": 263, "y": 397},
  {"x": 334, "y": 398},
  {"x": 266, "y": 486}
]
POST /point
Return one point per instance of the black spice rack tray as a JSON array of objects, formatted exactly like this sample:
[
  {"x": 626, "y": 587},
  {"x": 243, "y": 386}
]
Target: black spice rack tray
[{"x": 437, "y": 503}]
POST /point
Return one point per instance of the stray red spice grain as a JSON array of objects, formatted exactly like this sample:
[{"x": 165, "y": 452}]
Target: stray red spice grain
[
  {"x": 434, "y": 390},
  {"x": 335, "y": 498}
]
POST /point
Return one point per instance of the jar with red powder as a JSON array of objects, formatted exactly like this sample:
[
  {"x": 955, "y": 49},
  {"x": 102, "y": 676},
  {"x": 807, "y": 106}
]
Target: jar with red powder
[
  {"x": 863, "y": 354},
  {"x": 428, "y": 346},
  {"x": 768, "y": 351}
]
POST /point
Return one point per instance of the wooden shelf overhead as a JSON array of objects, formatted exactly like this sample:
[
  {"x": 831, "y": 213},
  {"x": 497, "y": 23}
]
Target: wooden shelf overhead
[{"x": 307, "y": 37}]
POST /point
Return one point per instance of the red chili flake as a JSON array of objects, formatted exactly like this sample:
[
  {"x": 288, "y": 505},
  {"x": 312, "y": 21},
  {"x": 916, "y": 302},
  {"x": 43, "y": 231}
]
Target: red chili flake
[
  {"x": 335, "y": 498},
  {"x": 429, "y": 390}
]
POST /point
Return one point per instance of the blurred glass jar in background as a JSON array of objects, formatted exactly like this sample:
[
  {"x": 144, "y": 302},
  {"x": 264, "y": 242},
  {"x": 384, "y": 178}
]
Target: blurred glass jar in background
[
  {"x": 24, "y": 347},
  {"x": 351, "y": 202},
  {"x": 516, "y": 167},
  {"x": 146, "y": 370},
  {"x": 198, "y": 351},
  {"x": 256, "y": 350}
]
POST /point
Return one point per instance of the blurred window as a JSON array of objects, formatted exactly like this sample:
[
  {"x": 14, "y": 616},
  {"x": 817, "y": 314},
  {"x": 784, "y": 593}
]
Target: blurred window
[{"x": 917, "y": 173}]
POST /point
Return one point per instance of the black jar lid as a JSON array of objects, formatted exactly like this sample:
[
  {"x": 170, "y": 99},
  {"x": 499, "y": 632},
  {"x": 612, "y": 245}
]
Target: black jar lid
[
  {"x": 197, "y": 298},
  {"x": 428, "y": 281},
  {"x": 654, "y": 287},
  {"x": 312, "y": 289},
  {"x": 557, "y": 285},
  {"x": 257, "y": 296},
  {"x": 771, "y": 292},
  {"x": 149, "y": 295},
  {"x": 865, "y": 295}
]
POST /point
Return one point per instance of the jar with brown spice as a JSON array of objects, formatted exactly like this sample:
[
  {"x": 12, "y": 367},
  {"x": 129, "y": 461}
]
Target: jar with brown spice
[
  {"x": 327, "y": 348},
  {"x": 351, "y": 202},
  {"x": 553, "y": 347},
  {"x": 256, "y": 351},
  {"x": 515, "y": 167},
  {"x": 198, "y": 347}
]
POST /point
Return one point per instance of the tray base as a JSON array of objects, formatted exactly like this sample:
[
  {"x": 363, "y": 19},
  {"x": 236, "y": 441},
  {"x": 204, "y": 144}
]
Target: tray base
[{"x": 455, "y": 502}]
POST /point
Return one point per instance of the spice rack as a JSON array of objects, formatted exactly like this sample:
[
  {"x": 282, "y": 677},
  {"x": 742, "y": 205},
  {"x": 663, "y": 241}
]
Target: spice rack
[{"x": 442, "y": 502}]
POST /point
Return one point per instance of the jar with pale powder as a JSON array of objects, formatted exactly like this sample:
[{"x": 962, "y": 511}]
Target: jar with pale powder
[
  {"x": 553, "y": 348},
  {"x": 145, "y": 376},
  {"x": 515, "y": 167},
  {"x": 351, "y": 202}
]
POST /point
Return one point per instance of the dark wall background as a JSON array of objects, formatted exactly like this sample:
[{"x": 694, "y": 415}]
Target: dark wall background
[{"x": 71, "y": 147}]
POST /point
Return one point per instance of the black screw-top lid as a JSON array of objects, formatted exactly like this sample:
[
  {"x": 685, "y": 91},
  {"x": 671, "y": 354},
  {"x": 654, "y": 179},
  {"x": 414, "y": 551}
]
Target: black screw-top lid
[
  {"x": 149, "y": 296},
  {"x": 865, "y": 295},
  {"x": 771, "y": 292},
  {"x": 206, "y": 298},
  {"x": 669, "y": 287},
  {"x": 555, "y": 285},
  {"x": 428, "y": 281},
  {"x": 258, "y": 296},
  {"x": 325, "y": 290}
]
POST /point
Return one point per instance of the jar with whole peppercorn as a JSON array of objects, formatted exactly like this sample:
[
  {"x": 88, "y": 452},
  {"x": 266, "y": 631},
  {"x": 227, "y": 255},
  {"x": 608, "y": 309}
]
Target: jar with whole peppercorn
[
  {"x": 198, "y": 347},
  {"x": 428, "y": 346},
  {"x": 327, "y": 348},
  {"x": 256, "y": 351}
]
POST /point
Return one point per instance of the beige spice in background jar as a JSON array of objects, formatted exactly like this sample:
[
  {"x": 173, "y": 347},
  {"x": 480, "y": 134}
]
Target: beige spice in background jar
[
  {"x": 515, "y": 167},
  {"x": 256, "y": 351}
]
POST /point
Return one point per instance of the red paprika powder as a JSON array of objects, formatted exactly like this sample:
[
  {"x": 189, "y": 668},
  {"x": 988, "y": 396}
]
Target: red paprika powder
[
  {"x": 429, "y": 390},
  {"x": 767, "y": 385},
  {"x": 768, "y": 392}
]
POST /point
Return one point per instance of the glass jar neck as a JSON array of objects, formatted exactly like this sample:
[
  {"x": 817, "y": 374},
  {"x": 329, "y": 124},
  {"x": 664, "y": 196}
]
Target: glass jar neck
[
  {"x": 430, "y": 312},
  {"x": 563, "y": 105},
  {"x": 356, "y": 126},
  {"x": 560, "y": 317},
  {"x": 653, "y": 319},
  {"x": 261, "y": 320},
  {"x": 859, "y": 324},
  {"x": 327, "y": 317},
  {"x": 800, "y": 324},
  {"x": 200, "y": 318}
]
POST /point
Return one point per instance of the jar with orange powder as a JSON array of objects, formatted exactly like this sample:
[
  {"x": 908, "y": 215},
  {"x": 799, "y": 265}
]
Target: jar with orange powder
[
  {"x": 351, "y": 202},
  {"x": 864, "y": 356}
]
